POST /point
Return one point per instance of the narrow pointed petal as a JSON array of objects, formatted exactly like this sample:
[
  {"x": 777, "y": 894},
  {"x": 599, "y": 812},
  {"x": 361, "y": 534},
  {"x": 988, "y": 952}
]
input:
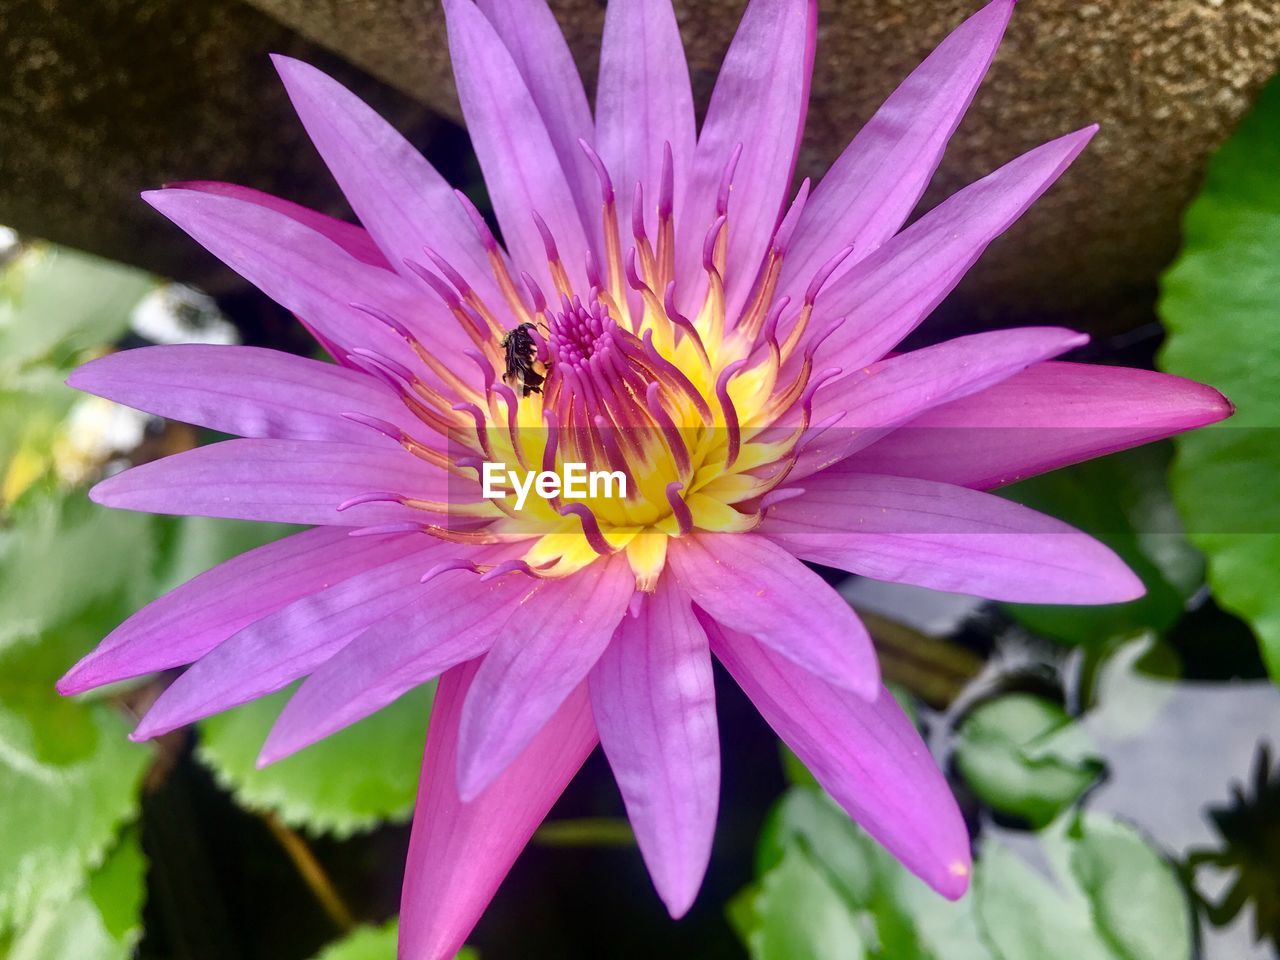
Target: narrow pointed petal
[
  {"x": 351, "y": 237},
  {"x": 291, "y": 642},
  {"x": 521, "y": 168},
  {"x": 760, "y": 101},
  {"x": 540, "y": 655},
  {"x": 459, "y": 852},
  {"x": 947, "y": 538},
  {"x": 189, "y": 621},
  {"x": 282, "y": 481},
  {"x": 246, "y": 391},
  {"x": 532, "y": 36},
  {"x": 451, "y": 619},
  {"x": 1048, "y": 416},
  {"x": 752, "y": 585},
  {"x": 890, "y": 392},
  {"x": 308, "y": 273},
  {"x": 654, "y": 702},
  {"x": 884, "y": 298},
  {"x": 870, "y": 190},
  {"x": 867, "y": 755},
  {"x": 397, "y": 194},
  {"x": 643, "y": 101}
]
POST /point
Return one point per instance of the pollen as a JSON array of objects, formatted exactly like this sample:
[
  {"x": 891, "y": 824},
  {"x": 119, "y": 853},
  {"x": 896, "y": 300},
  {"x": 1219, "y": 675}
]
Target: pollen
[{"x": 702, "y": 411}]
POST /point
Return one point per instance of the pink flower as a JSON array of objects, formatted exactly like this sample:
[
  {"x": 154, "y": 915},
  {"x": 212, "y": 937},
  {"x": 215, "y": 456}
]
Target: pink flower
[{"x": 725, "y": 348}]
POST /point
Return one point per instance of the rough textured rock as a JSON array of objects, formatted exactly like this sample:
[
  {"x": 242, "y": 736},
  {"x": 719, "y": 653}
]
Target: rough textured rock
[
  {"x": 1166, "y": 79},
  {"x": 101, "y": 100},
  {"x": 104, "y": 98}
]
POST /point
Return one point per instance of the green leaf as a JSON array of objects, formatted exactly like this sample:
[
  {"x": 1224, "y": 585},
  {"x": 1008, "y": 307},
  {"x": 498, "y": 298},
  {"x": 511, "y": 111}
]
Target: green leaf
[
  {"x": 101, "y": 921},
  {"x": 375, "y": 943},
  {"x": 996, "y": 751},
  {"x": 807, "y": 818},
  {"x": 70, "y": 777},
  {"x": 1024, "y": 913},
  {"x": 192, "y": 545},
  {"x": 1218, "y": 302},
  {"x": 118, "y": 889},
  {"x": 1096, "y": 891},
  {"x": 1138, "y": 906},
  {"x": 905, "y": 920},
  {"x": 1124, "y": 501},
  {"x": 364, "y": 943},
  {"x": 60, "y": 555},
  {"x": 795, "y": 914},
  {"x": 55, "y": 302},
  {"x": 346, "y": 783}
]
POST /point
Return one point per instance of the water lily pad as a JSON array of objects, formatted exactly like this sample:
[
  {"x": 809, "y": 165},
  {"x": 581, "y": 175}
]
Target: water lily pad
[
  {"x": 1218, "y": 302},
  {"x": 898, "y": 916},
  {"x": 794, "y": 913},
  {"x": 996, "y": 751},
  {"x": 1089, "y": 889}
]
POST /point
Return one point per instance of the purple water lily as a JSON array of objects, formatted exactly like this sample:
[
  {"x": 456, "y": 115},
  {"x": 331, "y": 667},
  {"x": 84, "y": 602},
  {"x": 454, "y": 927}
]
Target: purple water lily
[{"x": 662, "y": 307}]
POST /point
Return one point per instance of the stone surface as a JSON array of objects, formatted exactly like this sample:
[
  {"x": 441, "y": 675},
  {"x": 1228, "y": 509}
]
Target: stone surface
[
  {"x": 101, "y": 100},
  {"x": 110, "y": 97},
  {"x": 1167, "y": 80}
]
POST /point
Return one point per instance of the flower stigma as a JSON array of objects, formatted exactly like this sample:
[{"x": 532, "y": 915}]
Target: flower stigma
[{"x": 697, "y": 419}]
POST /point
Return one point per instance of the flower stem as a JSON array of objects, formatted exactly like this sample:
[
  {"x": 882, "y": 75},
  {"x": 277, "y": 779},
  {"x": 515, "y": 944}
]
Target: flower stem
[{"x": 312, "y": 873}]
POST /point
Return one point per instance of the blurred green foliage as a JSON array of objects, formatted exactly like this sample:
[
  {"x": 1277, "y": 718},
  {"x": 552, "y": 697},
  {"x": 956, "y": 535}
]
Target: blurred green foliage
[
  {"x": 71, "y": 872},
  {"x": 351, "y": 781},
  {"x": 101, "y": 920},
  {"x": 1124, "y": 501},
  {"x": 374, "y": 943},
  {"x": 1221, "y": 304},
  {"x": 71, "y": 867},
  {"x": 1086, "y": 887}
]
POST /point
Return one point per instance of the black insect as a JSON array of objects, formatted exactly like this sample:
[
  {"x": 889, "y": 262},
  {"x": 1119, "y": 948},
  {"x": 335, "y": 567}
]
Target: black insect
[{"x": 522, "y": 351}]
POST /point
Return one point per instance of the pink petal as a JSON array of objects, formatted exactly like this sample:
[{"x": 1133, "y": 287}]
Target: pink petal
[
  {"x": 883, "y": 298},
  {"x": 397, "y": 194},
  {"x": 890, "y": 392},
  {"x": 947, "y": 538},
  {"x": 459, "y": 852},
  {"x": 750, "y": 584},
  {"x": 760, "y": 100},
  {"x": 1045, "y": 417},
  {"x": 654, "y": 702},
  {"x": 529, "y": 30},
  {"x": 291, "y": 642},
  {"x": 539, "y": 656},
  {"x": 453, "y": 618},
  {"x": 243, "y": 390},
  {"x": 285, "y": 481},
  {"x": 643, "y": 101},
  {"x": 354, "y": 239},
  {"x": 521, "y": 168},
  {"x": 310, "y": 275},
  {"x": 188, "y": 622},
  {"x": 867, "y": 755},
  {"x": 867, "y": 194}
]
